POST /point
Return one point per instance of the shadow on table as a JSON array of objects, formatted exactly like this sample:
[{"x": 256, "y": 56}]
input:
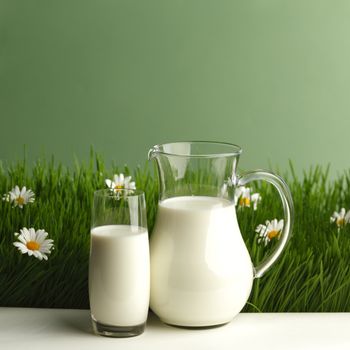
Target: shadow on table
[{"x": 80, "y": 322}]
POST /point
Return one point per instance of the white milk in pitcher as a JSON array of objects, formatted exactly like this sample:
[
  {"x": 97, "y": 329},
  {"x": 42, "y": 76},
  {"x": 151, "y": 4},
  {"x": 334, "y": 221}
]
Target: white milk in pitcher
[
  {"x": 201, "y": 272},
  {"x": 119, "y": 275}
]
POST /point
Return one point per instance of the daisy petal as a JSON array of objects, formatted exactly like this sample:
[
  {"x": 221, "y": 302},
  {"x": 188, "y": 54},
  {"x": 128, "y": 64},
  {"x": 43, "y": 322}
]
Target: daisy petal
[
  {"x": 23, "y": 191},
  {"x": 109, "y": 183},
  {"x": 25, "y": 234},
  {"x": 16, "y": 190},
  {"x": 280, "y": 225}
]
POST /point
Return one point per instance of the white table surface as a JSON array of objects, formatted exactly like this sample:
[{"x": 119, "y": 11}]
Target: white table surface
[{"x": 50, "y": 329}]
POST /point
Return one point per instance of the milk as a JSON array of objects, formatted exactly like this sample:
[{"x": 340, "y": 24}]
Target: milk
[
  {"x": 201, "y": 272},
  {"x": 119, "y": 275}
]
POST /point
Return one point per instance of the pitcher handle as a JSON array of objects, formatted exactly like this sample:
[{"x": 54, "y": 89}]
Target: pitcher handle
[{"x": 288, "y": 209}]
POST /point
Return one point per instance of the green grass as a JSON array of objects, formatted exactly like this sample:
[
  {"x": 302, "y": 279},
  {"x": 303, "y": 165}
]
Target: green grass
[{"x": 312, "y": 275}]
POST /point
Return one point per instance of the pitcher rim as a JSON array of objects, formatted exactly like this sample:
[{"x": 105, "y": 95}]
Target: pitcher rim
[{"x": 236, "y": 150}]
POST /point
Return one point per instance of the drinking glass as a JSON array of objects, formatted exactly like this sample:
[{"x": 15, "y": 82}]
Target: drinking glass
[{"x": 119, "y": 267}]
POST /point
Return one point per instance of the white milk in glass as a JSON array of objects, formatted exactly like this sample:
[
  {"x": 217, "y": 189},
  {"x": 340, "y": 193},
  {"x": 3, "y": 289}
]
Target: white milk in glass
[
  {"x": 201, "y": 272},
  {"x": 119, "y": 275}
]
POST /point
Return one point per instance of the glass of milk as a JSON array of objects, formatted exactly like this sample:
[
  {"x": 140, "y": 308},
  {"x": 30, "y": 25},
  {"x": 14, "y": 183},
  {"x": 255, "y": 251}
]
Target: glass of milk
[{"x": 119, "y": 267}]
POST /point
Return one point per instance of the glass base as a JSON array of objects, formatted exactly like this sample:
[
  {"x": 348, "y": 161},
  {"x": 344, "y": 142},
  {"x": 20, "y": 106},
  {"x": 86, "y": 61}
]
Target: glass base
[{"x": 117, "y": 331}]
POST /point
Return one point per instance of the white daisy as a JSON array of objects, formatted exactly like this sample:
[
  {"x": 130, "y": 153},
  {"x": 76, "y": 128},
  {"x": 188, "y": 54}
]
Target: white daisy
[
  {"x": 243, "y": 197},
  {"x": 120, "y": 182},
  {"x": 34, "y": 243},
  {"x": 342, "y": 218},
  {"x": 271, "y": 229},
  {"x": 19, "y": 197}
]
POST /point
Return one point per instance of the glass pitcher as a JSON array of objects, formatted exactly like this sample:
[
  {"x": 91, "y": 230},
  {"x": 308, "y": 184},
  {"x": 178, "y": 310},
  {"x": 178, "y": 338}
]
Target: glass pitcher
[{"x": 201, "y": 271}]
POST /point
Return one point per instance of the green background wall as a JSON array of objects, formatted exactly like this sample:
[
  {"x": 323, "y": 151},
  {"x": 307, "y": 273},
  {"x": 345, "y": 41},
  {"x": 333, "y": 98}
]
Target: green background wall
[{"x": 271, "y": 75}]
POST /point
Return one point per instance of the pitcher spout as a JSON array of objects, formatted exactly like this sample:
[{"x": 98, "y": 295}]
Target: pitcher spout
[{"x": 152, "y": 153}]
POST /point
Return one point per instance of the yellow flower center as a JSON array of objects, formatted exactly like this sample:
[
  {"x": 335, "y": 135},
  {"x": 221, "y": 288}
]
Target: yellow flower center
[
  {"x": 341, "y": 222},
  {"x": 118, "y": 187},
  {"x": 20, "y": 200},
  {"x": 244, "y": 202},
  {"x": 32, "y": 245},
  {"x": 273, "y": 234}
]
